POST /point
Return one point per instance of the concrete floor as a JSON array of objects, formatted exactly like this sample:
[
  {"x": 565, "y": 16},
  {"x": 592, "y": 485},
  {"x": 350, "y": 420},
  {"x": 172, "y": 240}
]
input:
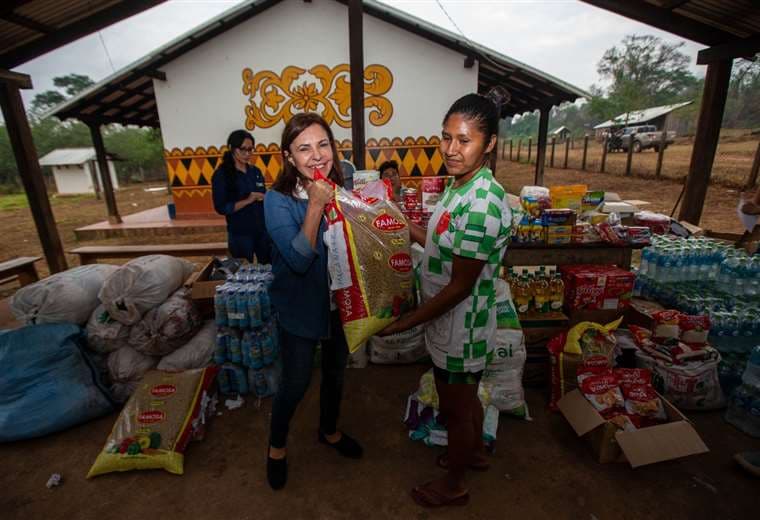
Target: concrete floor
[{"x": 540, "y": 470}]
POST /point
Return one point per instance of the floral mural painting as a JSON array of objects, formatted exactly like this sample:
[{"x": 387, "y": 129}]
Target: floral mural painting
[{"x": 274, "y": 98}]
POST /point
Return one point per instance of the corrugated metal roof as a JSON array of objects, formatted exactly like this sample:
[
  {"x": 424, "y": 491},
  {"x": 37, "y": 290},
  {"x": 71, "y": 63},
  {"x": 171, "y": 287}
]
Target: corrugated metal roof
[
  {"x": 64, "y": 156},
  {"x": 559, "y": 130},
  {"x": 30, "y": 28},
  {"x": 106, "y": 101},
  {"x": 637, "y": 117}
]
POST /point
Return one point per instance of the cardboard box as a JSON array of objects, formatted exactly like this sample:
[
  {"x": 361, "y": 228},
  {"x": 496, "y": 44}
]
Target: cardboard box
[
  {"x": 201, "y": 288},
  {"x": 597, "y": 287},
  {"x": 671, "y": 440}
]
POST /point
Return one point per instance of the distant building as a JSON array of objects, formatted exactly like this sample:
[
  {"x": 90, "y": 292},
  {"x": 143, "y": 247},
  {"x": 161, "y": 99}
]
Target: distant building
[
  {"x": 560, "y": 133},
  {"x": 76, "y": 170},
  {"x": 656, "y": 116}
]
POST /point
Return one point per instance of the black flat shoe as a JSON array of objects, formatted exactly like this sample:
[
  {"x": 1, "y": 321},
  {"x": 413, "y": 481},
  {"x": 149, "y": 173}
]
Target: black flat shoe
[
  {"x": 346, "y": 446},
  {"x": 277, "y": 472}
]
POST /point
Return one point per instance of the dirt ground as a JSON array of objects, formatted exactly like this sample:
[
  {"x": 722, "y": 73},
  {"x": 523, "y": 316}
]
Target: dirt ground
[{"x": 540, "y": 470}]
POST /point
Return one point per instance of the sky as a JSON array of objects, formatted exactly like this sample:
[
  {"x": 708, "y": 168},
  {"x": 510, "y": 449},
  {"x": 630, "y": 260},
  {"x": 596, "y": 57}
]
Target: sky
[{"x": 565, "y": 38}]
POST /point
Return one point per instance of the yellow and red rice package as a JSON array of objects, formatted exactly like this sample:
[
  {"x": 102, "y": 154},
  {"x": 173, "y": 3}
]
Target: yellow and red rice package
[
  {"x": 162, "y": 416},
  {"x": 369, "y": 260}
]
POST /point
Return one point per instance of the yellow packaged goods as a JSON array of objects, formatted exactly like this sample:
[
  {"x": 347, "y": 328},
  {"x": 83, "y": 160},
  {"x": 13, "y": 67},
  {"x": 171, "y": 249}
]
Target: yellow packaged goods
[
  {"x": 369, "y": 260},
  {"x": 570, "y": 197},
  {"x": 157, "y": 423}
]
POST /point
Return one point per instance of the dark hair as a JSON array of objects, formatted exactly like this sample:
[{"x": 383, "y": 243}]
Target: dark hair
[
  {"x": 485, "y": 111},
  {"x": 235, "y": 140},
  {"x": 388, "y": 164},
  {"x": 288, "y": 177}
]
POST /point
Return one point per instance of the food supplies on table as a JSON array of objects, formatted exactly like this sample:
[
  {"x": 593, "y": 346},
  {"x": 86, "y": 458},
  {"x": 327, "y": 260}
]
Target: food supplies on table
[
  {"x": 597, "y": 287},
  {"x": 48, "y": 382},
  {"x": 658, "y": 223},
  {"x": 105, "y": 334},
  {"x": 155, "y": 426},
  {"x": 142, "y": 284},
  {"x": 535, "y": 199},
  {"x": 432, "y": 191},
  {"x": 196, "y": 353},
  {"x": 67, "y": 297},
  {"x": 569, "y": 196},
  {"x": 369, "y": 260},
  {"x": 165, "y": 328}
]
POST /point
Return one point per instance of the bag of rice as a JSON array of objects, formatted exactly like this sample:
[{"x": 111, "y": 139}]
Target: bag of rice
[
  {"x": 156, "y": 424},
  {"x": 167, "y": 327},
  {"x": 369, "y": 260},
  {"x": 105, "y": 334},
  {"x": 142, "y": 284},
  {"x": 67, "y": 297}
]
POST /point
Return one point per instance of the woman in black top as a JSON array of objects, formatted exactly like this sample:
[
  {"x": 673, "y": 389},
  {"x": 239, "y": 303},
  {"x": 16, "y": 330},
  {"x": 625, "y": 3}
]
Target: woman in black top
[{"x": 238, "y": 192}]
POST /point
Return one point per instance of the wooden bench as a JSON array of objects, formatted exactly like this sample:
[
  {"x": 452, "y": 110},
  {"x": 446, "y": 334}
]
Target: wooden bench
[
  {"x": 19, "y": 268},
  {"x": 91, "y": 254}
]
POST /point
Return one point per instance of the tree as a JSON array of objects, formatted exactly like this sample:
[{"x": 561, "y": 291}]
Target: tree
[
  {"x": 45, "y": 101},
  {"x": 743, "y": 102},
  {"x": 72, "y": 84}
]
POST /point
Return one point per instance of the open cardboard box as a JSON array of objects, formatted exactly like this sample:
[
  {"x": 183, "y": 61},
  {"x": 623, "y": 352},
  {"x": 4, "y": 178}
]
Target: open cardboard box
[
  {"x": 201, "y": 288},
  {"x": 671, "y": 440}
]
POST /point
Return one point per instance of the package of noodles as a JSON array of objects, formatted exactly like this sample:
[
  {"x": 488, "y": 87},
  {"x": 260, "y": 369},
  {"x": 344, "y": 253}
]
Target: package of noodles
[
  {"x": 369, "y": 260},
  {"x": 166, "y": 412}
]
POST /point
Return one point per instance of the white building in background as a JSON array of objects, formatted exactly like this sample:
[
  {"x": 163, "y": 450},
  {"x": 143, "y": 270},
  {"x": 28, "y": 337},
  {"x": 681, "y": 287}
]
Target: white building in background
[{"x": 76, "y": 170}]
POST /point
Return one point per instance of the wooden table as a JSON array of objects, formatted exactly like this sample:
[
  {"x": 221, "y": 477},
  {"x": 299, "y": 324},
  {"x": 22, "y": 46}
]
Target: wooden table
[
  {"x": 21, "y": 268},
  {"x": 91, "y": 254},
  {"x": 540, "y": 254}
]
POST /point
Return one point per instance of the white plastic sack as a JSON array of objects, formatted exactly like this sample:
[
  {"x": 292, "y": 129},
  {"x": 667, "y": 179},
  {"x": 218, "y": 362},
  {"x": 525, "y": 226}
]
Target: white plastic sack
[
  {"x": 360, "y": 358},
  {"x": 167, "y": 327},
  {"x": 142, "y": 284},
  {"x": 196, "y": 353},
  {"x": 127, "y": 364},
  {"x": 105, "y": 334},
  {"x": 67, "y": 297},
  {"x": 398, "y": 356}
]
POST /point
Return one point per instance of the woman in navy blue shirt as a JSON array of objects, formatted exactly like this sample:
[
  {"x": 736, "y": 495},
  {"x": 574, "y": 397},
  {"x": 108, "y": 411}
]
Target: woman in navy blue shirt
[
  {"x": 300, "y": 292},
  {"x": 238, "y": 191}
]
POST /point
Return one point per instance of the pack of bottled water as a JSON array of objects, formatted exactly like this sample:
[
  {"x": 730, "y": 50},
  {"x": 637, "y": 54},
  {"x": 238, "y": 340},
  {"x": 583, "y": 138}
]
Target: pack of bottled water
[
  {"x": 707, "y": 277},
  {"x": 246, "y": 340},
  {"x": 744, "y": 403}
]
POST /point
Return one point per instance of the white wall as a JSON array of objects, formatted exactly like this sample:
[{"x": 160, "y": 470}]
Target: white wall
[
  {"x": 202, "y": 99},
  {"x": 77, "y": 179}
]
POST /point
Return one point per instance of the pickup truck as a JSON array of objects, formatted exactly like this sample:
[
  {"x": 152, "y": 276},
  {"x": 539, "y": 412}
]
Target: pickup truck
[{"x": 643, "y": 137}]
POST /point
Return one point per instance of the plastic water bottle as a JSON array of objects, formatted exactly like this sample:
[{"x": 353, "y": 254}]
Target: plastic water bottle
[
  {"x": 266, "y": 311},
  {"x": 220, "y": 352},
  {"x": 257, "y": 359},
  {"x": 751, "y": 375},
  {"x": 260, "y": 383},
  {"x": 231, "y": 299},
  {"x": 267, "y": 349},
  {"x": 744, "y": 406},
  {"x": 245, "y": 347},
  {"x": 220, "y": 307},
  {"x": 254, "y": 307},
  {"x": 644, "y": 263},
  {"x": 234, "y": 348},
  {"x": 241, "y": 308},
  {"x": 223, "y": 380}
]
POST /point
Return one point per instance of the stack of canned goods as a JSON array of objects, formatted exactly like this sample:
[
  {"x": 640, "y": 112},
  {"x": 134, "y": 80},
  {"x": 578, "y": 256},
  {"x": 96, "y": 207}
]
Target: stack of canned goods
[{"x": 412, "y": 208}]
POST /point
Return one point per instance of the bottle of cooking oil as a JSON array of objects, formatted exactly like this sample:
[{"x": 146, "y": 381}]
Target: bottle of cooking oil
[
  {"x": 541, "y": 294},
  {"x": 522, "y": 295},
  {"x": 556, "y": 292}
]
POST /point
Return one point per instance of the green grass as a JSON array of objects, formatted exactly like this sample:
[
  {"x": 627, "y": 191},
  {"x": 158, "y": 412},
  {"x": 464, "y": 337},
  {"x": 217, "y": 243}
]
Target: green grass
[{"x": 15, "y": 201}]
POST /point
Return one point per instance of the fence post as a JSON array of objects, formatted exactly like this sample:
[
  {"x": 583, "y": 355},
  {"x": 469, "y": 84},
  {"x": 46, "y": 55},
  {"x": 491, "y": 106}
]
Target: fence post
[
  {"x": 510, "y": 149},
  {"x": 551, "y": 159},
  {"x": 752, "y": 179},
  {"x": 572, "y": 143},
  {"x": 530, "y": 148},
  {"x": 604, "y": 154},
  {"x": 519, "y": 148},
  {"x": 503, "y": 146},
  {"x": 567, "y": 150},
  {"x": 585, "y": 151},
  {"x": 629, "y": 159},
  {"x": 660, "y": 154}
]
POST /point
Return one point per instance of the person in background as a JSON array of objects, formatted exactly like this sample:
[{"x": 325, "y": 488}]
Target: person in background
[
  {"x": 464, "y": 247},
  {"x": 238, "y": 192},
  {"x": 300, "y": 293},
  {"x": 389, "y": 170}
]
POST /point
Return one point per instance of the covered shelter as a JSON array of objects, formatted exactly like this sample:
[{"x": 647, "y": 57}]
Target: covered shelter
[
  {"x": 730, "y": 29},
  {"x": 560, "y": 133},
  {"x": 28, "y": 29},
  {"x": 76, "y": 171},
  {"x": 656, "y": 116},
  {"x": 166, "y": 88}
]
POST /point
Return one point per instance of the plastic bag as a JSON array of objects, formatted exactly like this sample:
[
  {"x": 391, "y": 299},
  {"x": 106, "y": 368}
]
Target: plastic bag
[
  {"x": 105, "y": 334},
  {"x": 369, "y": 260},
  {"x": 142, "y": 284},
  {"x": 48, "y": 382},
  {"x": 535, "y": 199},
  {"x": 594, "y": 342},
  {"x": 126, "y": 367},
  {"x": 156, "y": 424},
  {"x": 196, "y": 353},
  {"x": 67, "y": 297},
  {"x": 167, "y": 327}
]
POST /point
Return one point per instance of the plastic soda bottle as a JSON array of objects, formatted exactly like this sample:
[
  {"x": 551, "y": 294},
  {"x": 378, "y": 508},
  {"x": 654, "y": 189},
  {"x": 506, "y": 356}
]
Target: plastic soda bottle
[
  {"x": 541, "y": 295},
  {"x": 522, "y": 295},
  {"x": 557, "y": 292}
]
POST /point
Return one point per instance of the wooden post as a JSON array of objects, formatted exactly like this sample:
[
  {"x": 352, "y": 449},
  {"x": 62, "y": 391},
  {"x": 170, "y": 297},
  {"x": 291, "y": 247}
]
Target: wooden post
[
  {"x": 752, "y": 179},
  {"x": 503, "y": 147},
  {"x": 543, "y": 129},
  {"x": 585, "y": 152},
  {"x": 356, "y": 58},
  {"x": 519, "y": 148},
  {"x": 660, "y": 153},
  {"x": 604, "y": 154},
  {"x": 567, "y": 151},
  {"x": 29, "y": 170},
  {"x": 105, "y": 174},
  {"x": 629, "y": 158},
  {"x": 572, "y": 143},
  {"x": 530, "y": 148},
  {"x": 510, "y": 149},
  {"x": 705, "y": 140},
  {"x": 551, "y": 159}
]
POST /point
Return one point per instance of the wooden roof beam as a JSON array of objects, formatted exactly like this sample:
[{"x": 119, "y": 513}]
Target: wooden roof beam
[
  {"x": 740, "y": 48},
  {"x": 22, "y": 81},
  {"x": 27, "y": 23},
  {"x": 12, "y": 5}
]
